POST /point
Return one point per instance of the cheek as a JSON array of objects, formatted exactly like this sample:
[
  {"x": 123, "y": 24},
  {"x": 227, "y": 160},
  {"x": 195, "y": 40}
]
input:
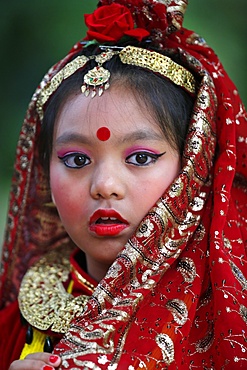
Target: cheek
[
  {"x": 154, "y": 186},
  {"x": 173, "y": 170},
  {"x": 60, "y": 196},
  {"x": 60, "y": 190},
  {"x": 69, "y": 194}
]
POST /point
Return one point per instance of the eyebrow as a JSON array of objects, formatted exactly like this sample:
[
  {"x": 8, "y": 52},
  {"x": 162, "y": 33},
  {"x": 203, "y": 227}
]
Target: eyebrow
[
  {"x": 69, "y": 137},
  {"x": 142, "y": 135}
]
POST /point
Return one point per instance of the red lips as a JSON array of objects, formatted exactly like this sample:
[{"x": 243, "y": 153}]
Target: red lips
[{"x": 107, "y": 222}]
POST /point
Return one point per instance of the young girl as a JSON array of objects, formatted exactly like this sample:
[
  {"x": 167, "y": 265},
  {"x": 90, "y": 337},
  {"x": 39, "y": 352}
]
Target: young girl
[{"x": 126, "y": 239}]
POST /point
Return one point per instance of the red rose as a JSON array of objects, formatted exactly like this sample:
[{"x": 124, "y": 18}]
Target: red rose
[
  {"x": 150, "y": 15},
  {"x": 110, "y": 23}
]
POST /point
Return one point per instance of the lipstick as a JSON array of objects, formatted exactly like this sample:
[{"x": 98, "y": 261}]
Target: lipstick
[{"x": 107, "y": 222}]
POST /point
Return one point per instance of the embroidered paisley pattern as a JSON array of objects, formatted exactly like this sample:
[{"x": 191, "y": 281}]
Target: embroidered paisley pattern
[
  {"x": 167, "y": 347},
  {"x": 176, "y": 293},
  {"x": 179, "y": 310},
  {"x": 187, "y": 268}
]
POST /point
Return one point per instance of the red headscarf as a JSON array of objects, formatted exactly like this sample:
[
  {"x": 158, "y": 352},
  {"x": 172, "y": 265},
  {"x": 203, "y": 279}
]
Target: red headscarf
[{"x": 176, "y": 294}]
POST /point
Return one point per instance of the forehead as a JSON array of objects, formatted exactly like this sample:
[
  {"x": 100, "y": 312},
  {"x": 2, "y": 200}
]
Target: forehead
[{"x": 117, "y": 109}]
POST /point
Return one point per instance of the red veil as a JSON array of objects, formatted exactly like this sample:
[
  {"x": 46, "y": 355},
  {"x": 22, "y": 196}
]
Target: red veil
[{"x": 176, "y": 294}]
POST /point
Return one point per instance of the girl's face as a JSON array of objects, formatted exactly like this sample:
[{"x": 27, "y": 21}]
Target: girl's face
[{"x": 110, "y": 164}]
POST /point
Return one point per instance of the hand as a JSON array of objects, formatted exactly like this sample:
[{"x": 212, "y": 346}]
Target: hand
[{"x": 37, "y": 361}]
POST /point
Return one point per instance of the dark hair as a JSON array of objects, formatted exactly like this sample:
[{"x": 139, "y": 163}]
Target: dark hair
[{"x": 168, "y": 104}]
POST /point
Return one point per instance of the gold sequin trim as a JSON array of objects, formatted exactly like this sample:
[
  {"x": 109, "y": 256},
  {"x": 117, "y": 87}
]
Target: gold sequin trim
[
  {"x": 135, "y": 56},
  {"x": 83, "y": 280},
  {"x": 43, "y": 300},
  {"x": 158, "y": 63},
  {"x": 56, "y": 81}
]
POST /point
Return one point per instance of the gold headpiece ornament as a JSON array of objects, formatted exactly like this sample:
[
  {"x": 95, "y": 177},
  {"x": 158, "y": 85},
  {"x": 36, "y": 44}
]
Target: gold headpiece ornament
[{"x": 98, "y": 77}]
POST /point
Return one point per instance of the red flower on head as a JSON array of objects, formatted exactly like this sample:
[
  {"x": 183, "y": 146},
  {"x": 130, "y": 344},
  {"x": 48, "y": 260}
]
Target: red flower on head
[
  {"x": 110, "y": 23},
  {"x": 158, "y": 17}
]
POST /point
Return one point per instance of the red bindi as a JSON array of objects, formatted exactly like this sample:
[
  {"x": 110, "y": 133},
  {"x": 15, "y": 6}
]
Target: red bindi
[{"x": 103, "y": 133}]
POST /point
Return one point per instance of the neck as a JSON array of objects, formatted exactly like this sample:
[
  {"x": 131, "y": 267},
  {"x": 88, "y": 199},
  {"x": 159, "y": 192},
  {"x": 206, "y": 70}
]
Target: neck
[{"x": 96, "y": 269}]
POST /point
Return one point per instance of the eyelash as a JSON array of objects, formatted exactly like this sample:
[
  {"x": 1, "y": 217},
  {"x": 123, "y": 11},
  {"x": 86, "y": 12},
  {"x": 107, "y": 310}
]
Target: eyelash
[
  {"x": 142, "y": 154},
  {"x": 73, "y": 157},
  {"x": 154, "y": 157}
]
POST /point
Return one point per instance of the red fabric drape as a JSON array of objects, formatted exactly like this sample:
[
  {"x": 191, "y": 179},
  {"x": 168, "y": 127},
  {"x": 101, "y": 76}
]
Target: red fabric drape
[
  {"x": 12, "y": 335},
  {"x": 176, "y": 295}
]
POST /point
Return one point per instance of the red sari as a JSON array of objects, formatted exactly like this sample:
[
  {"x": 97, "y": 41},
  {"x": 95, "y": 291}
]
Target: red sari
[{"x": 176, "y": 294}]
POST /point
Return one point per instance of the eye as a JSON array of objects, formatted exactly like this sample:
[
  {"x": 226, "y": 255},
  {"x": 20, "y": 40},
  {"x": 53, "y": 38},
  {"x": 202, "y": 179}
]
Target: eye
[
  {"x": 75, "y": 160},
  {"x": 143, "y": 158}
]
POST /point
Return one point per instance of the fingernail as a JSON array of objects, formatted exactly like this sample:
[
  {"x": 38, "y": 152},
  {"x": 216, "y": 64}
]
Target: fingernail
[
  {"x": 47, "y": 367},
  {"x": 53, "y": 359}
]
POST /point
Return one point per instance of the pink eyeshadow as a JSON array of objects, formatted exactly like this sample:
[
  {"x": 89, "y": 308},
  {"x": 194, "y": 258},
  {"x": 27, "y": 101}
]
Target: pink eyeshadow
[{"x": 137, "y": 148}]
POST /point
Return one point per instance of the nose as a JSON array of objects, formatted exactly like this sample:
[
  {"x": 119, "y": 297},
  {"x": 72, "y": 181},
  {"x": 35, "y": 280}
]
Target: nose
[{"x": 108, "y": 182}]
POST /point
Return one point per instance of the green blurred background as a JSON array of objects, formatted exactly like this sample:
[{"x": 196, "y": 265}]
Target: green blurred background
[{"x": 35, "y": 34}]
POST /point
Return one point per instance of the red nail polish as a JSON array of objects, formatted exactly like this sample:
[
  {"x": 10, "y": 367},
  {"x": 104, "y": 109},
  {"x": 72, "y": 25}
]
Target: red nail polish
[
  {"x": 53, "y": 359},
  {"x": 47, "y": 367}
]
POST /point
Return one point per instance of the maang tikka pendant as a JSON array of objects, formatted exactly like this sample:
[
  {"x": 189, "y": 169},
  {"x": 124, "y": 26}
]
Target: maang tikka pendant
[{"x": 98, "y": 77}]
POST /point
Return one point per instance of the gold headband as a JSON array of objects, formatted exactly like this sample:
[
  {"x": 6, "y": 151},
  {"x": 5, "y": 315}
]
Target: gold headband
[{"x": 99, "y": 77}]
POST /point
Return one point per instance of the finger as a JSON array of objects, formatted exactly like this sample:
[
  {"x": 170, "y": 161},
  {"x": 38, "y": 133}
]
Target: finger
[
  {"x": 37, "y": 361},
  {"x": 54, "y": 360},
  {"x": 45, "y": 357},
  {"x": 30, "y": 365}
]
